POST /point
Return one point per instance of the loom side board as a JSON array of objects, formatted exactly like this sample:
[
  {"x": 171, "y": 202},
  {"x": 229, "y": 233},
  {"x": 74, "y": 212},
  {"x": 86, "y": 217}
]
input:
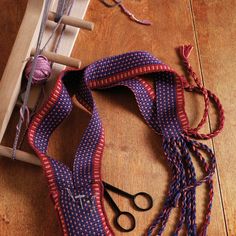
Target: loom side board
[{"x": 11, "y": 79}]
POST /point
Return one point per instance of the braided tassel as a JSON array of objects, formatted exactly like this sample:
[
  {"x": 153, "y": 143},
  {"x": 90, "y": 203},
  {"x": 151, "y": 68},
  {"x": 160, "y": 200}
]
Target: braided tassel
[
  {"x": 182, "y": 190},
  {"x": 185, "y": 52},
  {"x": 183, "y": 175},
  {"x": 215, "y": 100},
  {"x": 209, "y": 169},
  {"x": 191, "y": 193}
]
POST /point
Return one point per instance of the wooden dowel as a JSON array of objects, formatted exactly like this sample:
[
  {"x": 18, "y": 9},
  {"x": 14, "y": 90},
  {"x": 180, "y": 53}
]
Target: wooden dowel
[
  {"x": 60, "y": 59},
  {"x": 72, "y": 21},
  {"x": 20, "y": 155}
]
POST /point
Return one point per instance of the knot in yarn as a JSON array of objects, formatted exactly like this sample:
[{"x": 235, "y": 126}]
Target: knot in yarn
[{"x": 42, "y": 70}]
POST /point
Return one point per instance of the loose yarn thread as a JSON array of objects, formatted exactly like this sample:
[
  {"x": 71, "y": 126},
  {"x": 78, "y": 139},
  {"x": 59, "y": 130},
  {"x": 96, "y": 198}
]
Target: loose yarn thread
[
  {"x": 126, "y": 11},
  {"x": 31, "y": 114}
]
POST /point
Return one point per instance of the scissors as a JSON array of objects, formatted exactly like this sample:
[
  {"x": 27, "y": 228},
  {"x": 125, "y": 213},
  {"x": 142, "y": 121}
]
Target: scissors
[{"x": 133, "y": 199}]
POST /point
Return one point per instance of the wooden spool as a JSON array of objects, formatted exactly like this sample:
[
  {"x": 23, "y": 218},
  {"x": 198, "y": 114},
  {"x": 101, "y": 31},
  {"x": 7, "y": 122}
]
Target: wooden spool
[
  {"x": 57, "y": 58},
  {"x": 72, "y": 21},
  {"x": 20, "y": 155}
]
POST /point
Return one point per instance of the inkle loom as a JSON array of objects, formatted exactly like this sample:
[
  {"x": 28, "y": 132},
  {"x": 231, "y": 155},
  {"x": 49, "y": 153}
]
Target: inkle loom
[{"x": 162, "y": 108}]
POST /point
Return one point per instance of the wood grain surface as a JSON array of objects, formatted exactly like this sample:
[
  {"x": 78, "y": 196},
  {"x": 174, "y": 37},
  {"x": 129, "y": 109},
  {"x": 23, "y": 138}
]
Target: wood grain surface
[{"x": 133, "y": 158}]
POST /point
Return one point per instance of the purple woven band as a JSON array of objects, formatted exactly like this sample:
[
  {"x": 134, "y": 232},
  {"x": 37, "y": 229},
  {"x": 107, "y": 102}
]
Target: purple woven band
[{"x": 78, "y": 193}]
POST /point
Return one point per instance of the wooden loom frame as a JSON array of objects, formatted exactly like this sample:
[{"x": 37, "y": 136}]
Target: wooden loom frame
[{"x": 23, "y": 48}]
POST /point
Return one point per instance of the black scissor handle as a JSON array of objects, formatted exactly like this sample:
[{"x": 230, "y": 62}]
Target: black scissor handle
[
  {"x": 127, "y": 215},
  {"x": 147, "y": 197}
]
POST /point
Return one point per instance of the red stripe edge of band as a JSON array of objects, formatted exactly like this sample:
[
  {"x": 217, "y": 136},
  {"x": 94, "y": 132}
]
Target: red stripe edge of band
[
  {"x": 129, "y": 74},
  {"x": 183, "y": 119},
  {"x": 97, "y": 186},
  {"x": 182, "y": 115},
  {"x": 48, "y": 170}
]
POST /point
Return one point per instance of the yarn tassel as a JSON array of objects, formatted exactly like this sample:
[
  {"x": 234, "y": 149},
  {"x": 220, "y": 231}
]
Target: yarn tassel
[
  {"x": 185, "y": 51},
  {"x": 182, "y": 191}
]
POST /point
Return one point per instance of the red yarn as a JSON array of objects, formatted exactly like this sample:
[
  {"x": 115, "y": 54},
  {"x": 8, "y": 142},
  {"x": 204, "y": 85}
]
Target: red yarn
[{"x": 185, "y": 52}]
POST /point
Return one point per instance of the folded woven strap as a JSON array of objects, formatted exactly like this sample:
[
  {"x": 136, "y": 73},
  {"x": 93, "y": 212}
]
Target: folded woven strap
[{"x": 78, "y": 193}]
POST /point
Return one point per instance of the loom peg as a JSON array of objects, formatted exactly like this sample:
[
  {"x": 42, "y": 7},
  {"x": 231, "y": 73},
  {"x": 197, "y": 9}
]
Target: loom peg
[
  {"x": 60, "y": 59},
  {"x": 20, "y": 155},
  {"x": 72, "y": 21}
]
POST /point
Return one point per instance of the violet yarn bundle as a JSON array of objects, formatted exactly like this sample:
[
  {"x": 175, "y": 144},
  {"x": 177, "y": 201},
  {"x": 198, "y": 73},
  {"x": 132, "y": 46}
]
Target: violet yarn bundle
[{"x": 42, "y": 70}]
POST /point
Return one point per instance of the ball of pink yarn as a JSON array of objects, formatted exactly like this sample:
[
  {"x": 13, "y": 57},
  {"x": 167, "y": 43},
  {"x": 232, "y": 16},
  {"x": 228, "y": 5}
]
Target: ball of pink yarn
[{"x": 42, "y": 70}]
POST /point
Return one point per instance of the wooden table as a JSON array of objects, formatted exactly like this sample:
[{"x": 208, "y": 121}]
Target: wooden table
[{"x": 133, "y": 158}]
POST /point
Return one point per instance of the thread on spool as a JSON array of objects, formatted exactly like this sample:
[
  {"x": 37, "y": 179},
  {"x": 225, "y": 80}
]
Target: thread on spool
[{"x": 42, "y": 71}]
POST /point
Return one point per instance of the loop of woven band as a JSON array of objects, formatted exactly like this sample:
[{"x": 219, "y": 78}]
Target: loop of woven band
[{"x": 78, "y": 193}]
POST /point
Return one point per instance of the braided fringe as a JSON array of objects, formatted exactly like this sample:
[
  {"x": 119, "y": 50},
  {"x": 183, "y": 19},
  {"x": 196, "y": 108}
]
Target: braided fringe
[
  {"x": 221, "y": 118},
  {"x": 209, "y": 169},
  {"x": 185, "y": 52},
  {"x": 182, "y": 191}
]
